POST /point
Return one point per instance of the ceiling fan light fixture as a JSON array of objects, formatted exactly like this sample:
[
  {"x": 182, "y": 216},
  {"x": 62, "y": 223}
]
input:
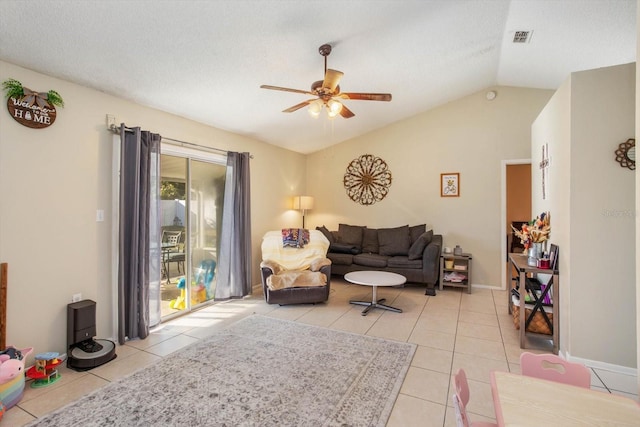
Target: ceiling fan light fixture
[
  {"x": 328, "y": 93},
  {"x": 334, "y": 108},
  {"x": 314, "y": 108}
]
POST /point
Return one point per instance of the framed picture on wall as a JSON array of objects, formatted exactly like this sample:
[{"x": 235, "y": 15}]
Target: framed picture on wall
[{"x": 450, "y": 184}]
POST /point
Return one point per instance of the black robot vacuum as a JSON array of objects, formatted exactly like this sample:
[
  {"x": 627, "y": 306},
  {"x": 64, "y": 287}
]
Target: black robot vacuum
[{"x": 83, "y": 351}]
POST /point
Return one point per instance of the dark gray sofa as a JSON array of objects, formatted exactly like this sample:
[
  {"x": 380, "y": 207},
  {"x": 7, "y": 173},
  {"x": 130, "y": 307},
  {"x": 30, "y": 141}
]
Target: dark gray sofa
[{"x": 412, "y": 252}]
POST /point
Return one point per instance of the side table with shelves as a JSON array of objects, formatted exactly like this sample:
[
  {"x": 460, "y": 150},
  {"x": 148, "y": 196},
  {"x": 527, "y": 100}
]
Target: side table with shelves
[
  {"x": 455, "y": 270},
  {"x": 539, "y": 316}
]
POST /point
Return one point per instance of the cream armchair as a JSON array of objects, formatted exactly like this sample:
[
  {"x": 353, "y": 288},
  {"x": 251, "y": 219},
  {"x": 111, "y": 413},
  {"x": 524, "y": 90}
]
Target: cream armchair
[{"x": 295, "y": 275}]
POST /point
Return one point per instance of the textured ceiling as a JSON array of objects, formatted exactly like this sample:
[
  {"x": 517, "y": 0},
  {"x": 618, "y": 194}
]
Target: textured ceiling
[{"x": 206, "y": 60}]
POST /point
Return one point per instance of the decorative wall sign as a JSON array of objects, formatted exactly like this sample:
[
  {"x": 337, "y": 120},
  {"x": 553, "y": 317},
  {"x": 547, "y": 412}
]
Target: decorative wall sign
[
  {"x": 29, "y": 108},
  {"x": 450, "y": 184},
  {"x": 626, "y": 154},
  {"x": 367, "y": 179}
]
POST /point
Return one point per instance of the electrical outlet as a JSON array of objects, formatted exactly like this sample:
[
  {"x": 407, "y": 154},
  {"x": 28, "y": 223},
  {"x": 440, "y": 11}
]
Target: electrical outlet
[{"x": 76, "y": 297}]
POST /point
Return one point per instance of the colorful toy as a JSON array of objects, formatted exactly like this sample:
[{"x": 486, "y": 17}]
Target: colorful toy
[
  {"x": 201, "y": 289},
  {"x": 45, "y": 371},
  {"x": 12, "y": 376},
  {"x": 204, "y": 276},
  {"x": 198, "y": 295}
]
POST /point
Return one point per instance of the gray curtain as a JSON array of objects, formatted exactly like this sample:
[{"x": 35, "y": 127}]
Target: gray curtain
[
  {"x": 139, "y": 154},
  {"x": 234, "y": 262}
]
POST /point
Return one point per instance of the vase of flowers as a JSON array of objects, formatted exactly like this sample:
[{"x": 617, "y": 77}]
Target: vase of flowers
[
  {"x": 534, "y": 235},
  {"x": 535, "y": 252}
]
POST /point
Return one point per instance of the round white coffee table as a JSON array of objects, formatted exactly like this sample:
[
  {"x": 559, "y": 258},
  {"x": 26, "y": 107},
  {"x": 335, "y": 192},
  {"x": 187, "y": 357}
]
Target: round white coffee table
[{"x": 375, "y": 279}]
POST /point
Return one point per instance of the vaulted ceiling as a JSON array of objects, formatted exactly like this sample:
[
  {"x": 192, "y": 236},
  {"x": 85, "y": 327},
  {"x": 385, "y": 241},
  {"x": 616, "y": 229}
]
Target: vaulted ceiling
[{"x": 206, "y": 60}]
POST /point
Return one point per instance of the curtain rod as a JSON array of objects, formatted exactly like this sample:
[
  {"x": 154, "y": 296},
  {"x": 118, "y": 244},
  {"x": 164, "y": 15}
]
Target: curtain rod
[{"x": 116, "y": 129}]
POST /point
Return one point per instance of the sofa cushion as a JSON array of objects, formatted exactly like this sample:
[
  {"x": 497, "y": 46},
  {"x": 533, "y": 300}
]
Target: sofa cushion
[
  {"x": 324, "y": 230},
  {"x": 370, "y": 241},
  {"x": 416, "y": 231},
  {"x": 394, "y": 241},
  {"x": 404, "y": 262},
  {"x": 371, "y": 260},
  {"x": 341, "y": 248},
  {"x": 350, "y": 234},
  {"x": 340, "y": 259},
  {"x": 416, "y": 249}
]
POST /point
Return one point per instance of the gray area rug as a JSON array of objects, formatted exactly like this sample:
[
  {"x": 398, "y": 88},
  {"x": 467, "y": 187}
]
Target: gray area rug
[{"x": 259, "y": 372}]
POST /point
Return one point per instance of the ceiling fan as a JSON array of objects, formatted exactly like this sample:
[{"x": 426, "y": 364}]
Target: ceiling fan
[{"x": 327, "y": 93}]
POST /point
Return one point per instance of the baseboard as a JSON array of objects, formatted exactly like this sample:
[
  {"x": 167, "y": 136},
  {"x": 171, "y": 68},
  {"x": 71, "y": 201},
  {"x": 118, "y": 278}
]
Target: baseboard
[
  {"x": 625, "y": 370},
  {"x": 490, "y": 287}
]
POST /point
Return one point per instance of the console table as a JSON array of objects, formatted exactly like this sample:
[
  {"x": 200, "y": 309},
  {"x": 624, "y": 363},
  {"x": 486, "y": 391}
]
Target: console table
[{"x": 525, "y": 282}]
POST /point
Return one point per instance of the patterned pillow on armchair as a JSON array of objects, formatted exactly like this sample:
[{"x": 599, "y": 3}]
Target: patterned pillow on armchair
[{"x": 295, "y": 237}]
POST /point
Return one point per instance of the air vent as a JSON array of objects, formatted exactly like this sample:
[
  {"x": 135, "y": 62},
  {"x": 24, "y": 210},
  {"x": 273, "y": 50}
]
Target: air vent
[{"x": 522, "y": 36}]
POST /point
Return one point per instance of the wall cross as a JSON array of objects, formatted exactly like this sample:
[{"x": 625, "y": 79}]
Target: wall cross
[{"x": 544, "y": 165}]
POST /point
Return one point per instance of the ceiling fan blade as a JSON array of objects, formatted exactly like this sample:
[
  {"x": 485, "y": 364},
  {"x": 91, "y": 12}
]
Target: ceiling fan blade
[
  {"x": 331, "y": 79},
  {"x": 366, "y": 96},
  {"x": 286, "y": 89},
  {"x": 298, "y": 106},
  {"x": 346, "y": 113}
]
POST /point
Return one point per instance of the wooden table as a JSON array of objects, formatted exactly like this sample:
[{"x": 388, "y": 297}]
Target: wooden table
[{"x": 527, "y": 401}]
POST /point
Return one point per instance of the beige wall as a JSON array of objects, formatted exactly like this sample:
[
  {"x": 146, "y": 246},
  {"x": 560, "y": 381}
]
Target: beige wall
[
  {"x": 591, "y": 200},
  {"x": 53, "y": 180},
  {"x": 551, "y": 126},
  {"x": 637, "y": 206},
  {"x": 471, "y": 136}
]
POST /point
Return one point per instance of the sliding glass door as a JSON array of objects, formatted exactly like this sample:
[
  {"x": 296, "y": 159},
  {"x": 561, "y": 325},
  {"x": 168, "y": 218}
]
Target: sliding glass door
[{"x": 191, "y": 192}]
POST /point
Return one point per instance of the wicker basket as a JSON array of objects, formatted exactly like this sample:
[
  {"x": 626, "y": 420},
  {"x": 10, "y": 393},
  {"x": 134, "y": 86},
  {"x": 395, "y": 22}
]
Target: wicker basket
[{"x": 538, "y": 323}]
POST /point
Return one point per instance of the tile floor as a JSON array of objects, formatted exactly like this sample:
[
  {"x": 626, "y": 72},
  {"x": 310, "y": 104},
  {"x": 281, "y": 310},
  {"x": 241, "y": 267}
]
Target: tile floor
[{"x": 452, "y": 330}]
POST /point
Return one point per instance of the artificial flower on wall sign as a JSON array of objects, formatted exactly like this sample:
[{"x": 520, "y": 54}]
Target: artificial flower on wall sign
[
  {"x": 30, "y": 108},
  {"x": 535, "y": 231}
]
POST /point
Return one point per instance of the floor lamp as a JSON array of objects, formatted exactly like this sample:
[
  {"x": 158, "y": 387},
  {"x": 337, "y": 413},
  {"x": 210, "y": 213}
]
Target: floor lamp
[{"x": 303, "y": 203}]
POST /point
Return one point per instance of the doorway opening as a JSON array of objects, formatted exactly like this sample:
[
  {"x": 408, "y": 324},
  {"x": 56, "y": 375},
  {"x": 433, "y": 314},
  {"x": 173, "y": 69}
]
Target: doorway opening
[{"x": 516, "y": 207}]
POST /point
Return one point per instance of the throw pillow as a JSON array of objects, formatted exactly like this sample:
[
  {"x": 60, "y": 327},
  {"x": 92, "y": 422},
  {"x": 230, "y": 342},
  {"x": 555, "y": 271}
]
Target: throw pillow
[
  {"x": 394, "y": 241},
  {"x": 326, "y": 233},
  {"x": 295, "y": 237},
  {"x": 341, "y": 248},
  {"x": 417, "y": 248},
  {"x": 350, "y": 235},
  {"x": 370, "y": 241},
  {"x": 416, "y": 231}
]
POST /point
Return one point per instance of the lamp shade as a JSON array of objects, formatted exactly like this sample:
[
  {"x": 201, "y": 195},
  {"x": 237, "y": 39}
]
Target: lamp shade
[{"x": 302, "y": 203}]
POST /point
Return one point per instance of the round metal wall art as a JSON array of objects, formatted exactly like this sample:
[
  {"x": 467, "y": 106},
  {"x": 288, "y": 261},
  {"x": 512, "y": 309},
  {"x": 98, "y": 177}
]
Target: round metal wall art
[
  {"x": 367, "y": 179},
  {"x": 626, "y": 154}
]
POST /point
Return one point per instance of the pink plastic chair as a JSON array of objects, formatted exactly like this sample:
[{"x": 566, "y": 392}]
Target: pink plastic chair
[
  {"x": 461, "y": 398},
  {"x": 554, "y": 368}
]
